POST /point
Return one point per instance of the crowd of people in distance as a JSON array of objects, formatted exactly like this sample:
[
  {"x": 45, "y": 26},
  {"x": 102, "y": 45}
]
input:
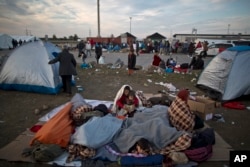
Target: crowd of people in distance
[{"x": 67, "y": 69}]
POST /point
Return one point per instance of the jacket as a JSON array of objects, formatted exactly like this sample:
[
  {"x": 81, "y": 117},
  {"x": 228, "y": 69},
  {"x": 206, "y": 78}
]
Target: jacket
[{"x": 67, "y": 63}]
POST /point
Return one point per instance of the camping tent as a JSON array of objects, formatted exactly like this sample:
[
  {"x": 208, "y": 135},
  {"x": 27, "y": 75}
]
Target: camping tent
[
  {"x": 5, "y": 41},
  {"x": 27, "y": 69},
  {"x": 227, "y": 75}
]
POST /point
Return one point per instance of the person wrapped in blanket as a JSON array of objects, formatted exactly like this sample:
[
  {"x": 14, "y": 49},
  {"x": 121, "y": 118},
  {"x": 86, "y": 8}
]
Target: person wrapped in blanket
[
  {"x": 119, "y": 101},
  {"x": 142, "y": 146},
  {"x": 180, "y": 115},
  {"x": 128, "y": 103}
]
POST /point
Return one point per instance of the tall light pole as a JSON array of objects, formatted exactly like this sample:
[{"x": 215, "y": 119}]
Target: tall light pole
[
  {"x": 98, "y": 18},
  {"x": 130, "y": 25}
]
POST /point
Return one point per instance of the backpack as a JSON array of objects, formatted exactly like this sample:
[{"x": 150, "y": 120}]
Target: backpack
[
  {"x": 199, "y": 154},
  {"x": 201, "y": 147},
  {"x": 46, "y": 152}
]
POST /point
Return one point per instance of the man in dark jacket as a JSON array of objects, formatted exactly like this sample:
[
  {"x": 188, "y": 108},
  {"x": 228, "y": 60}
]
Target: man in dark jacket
[
  {"x": 67, "y": 68},
  {"x": 81, "y": 47},
  {"x": 98, "y": 52}
]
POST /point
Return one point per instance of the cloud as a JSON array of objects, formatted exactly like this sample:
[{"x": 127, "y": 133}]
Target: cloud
[{"x": 65, "y": 18}]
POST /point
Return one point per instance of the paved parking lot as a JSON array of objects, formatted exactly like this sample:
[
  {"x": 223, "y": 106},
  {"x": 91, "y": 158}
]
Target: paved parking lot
[{"x": 143, "y": 60}]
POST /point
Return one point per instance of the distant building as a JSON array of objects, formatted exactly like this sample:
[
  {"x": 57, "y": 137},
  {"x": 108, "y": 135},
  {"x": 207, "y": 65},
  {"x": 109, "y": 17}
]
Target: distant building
[
  {"x": 123, "y": 38},
  {"x": 156, "y": 37},
  {"x": 225, "y": 37},
  {"x": 126, "y": 38}
]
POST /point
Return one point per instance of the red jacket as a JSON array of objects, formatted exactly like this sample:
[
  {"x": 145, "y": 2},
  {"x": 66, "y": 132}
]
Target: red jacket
[
  {"x": 120, "y": 103},
  {"x": 156, "y": 60}
]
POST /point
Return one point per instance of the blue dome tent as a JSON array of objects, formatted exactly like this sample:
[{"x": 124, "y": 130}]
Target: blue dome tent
[{"x": 27, "y": 69}]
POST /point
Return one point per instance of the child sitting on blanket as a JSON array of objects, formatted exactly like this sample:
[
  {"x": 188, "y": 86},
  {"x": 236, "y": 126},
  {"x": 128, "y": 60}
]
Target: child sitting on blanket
[{"x": 128, "y": 105}]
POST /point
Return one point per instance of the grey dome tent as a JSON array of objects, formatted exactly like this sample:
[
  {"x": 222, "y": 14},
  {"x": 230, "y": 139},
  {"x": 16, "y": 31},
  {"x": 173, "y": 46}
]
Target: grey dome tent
[
  {"x": 5, "y": 41},
  {"x": 27, "y": 69},
  {"x": 227, "y": 75}
]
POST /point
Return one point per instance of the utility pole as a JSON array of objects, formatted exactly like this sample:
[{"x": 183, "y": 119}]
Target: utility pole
[
  {"x": 98, "y": 18},
  {"x": 130, "y": 25},
  {"x": 26, "y": 32}
]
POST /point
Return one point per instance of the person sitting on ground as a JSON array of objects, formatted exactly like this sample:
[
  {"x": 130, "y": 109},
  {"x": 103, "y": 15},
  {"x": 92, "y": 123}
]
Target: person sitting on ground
[
  {"x": 197, "y": 63},
  {"x": 171, "y": 63},
  {"x": 121, "y": 94},
  {"x": 162, "y": 65},
  {"x": 156, "y": 59},
  {"x": 127, "y": 105},
  {"x": 180, "y": 115}
]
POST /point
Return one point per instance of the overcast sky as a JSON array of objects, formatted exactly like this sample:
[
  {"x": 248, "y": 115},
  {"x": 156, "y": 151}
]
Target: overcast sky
[{"x": 167, "y": 17}]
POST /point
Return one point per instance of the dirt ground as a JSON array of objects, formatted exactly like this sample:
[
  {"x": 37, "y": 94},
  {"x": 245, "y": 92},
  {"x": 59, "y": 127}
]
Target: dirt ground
[{"x": 101, "y": 83}]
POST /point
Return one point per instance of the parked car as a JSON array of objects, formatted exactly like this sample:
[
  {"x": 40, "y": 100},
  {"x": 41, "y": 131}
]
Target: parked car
[
  {"x": 241, "y": 42},
  {"x": 214, "y": 49}
]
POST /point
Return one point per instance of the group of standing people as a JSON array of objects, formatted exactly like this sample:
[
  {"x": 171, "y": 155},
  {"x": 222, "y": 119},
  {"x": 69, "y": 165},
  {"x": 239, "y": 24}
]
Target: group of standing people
[
  {"x": 16, "y": 43},
  {"x": 84, "y": 50},
  {"x": 192, "y": 48}
]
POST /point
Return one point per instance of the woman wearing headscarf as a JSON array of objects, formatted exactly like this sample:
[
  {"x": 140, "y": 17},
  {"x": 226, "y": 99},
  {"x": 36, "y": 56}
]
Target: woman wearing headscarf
[
  {"x": 121, "y": 95},
  {"x": 180, "y": 115},
  {"x": 131, "y": 62}
]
